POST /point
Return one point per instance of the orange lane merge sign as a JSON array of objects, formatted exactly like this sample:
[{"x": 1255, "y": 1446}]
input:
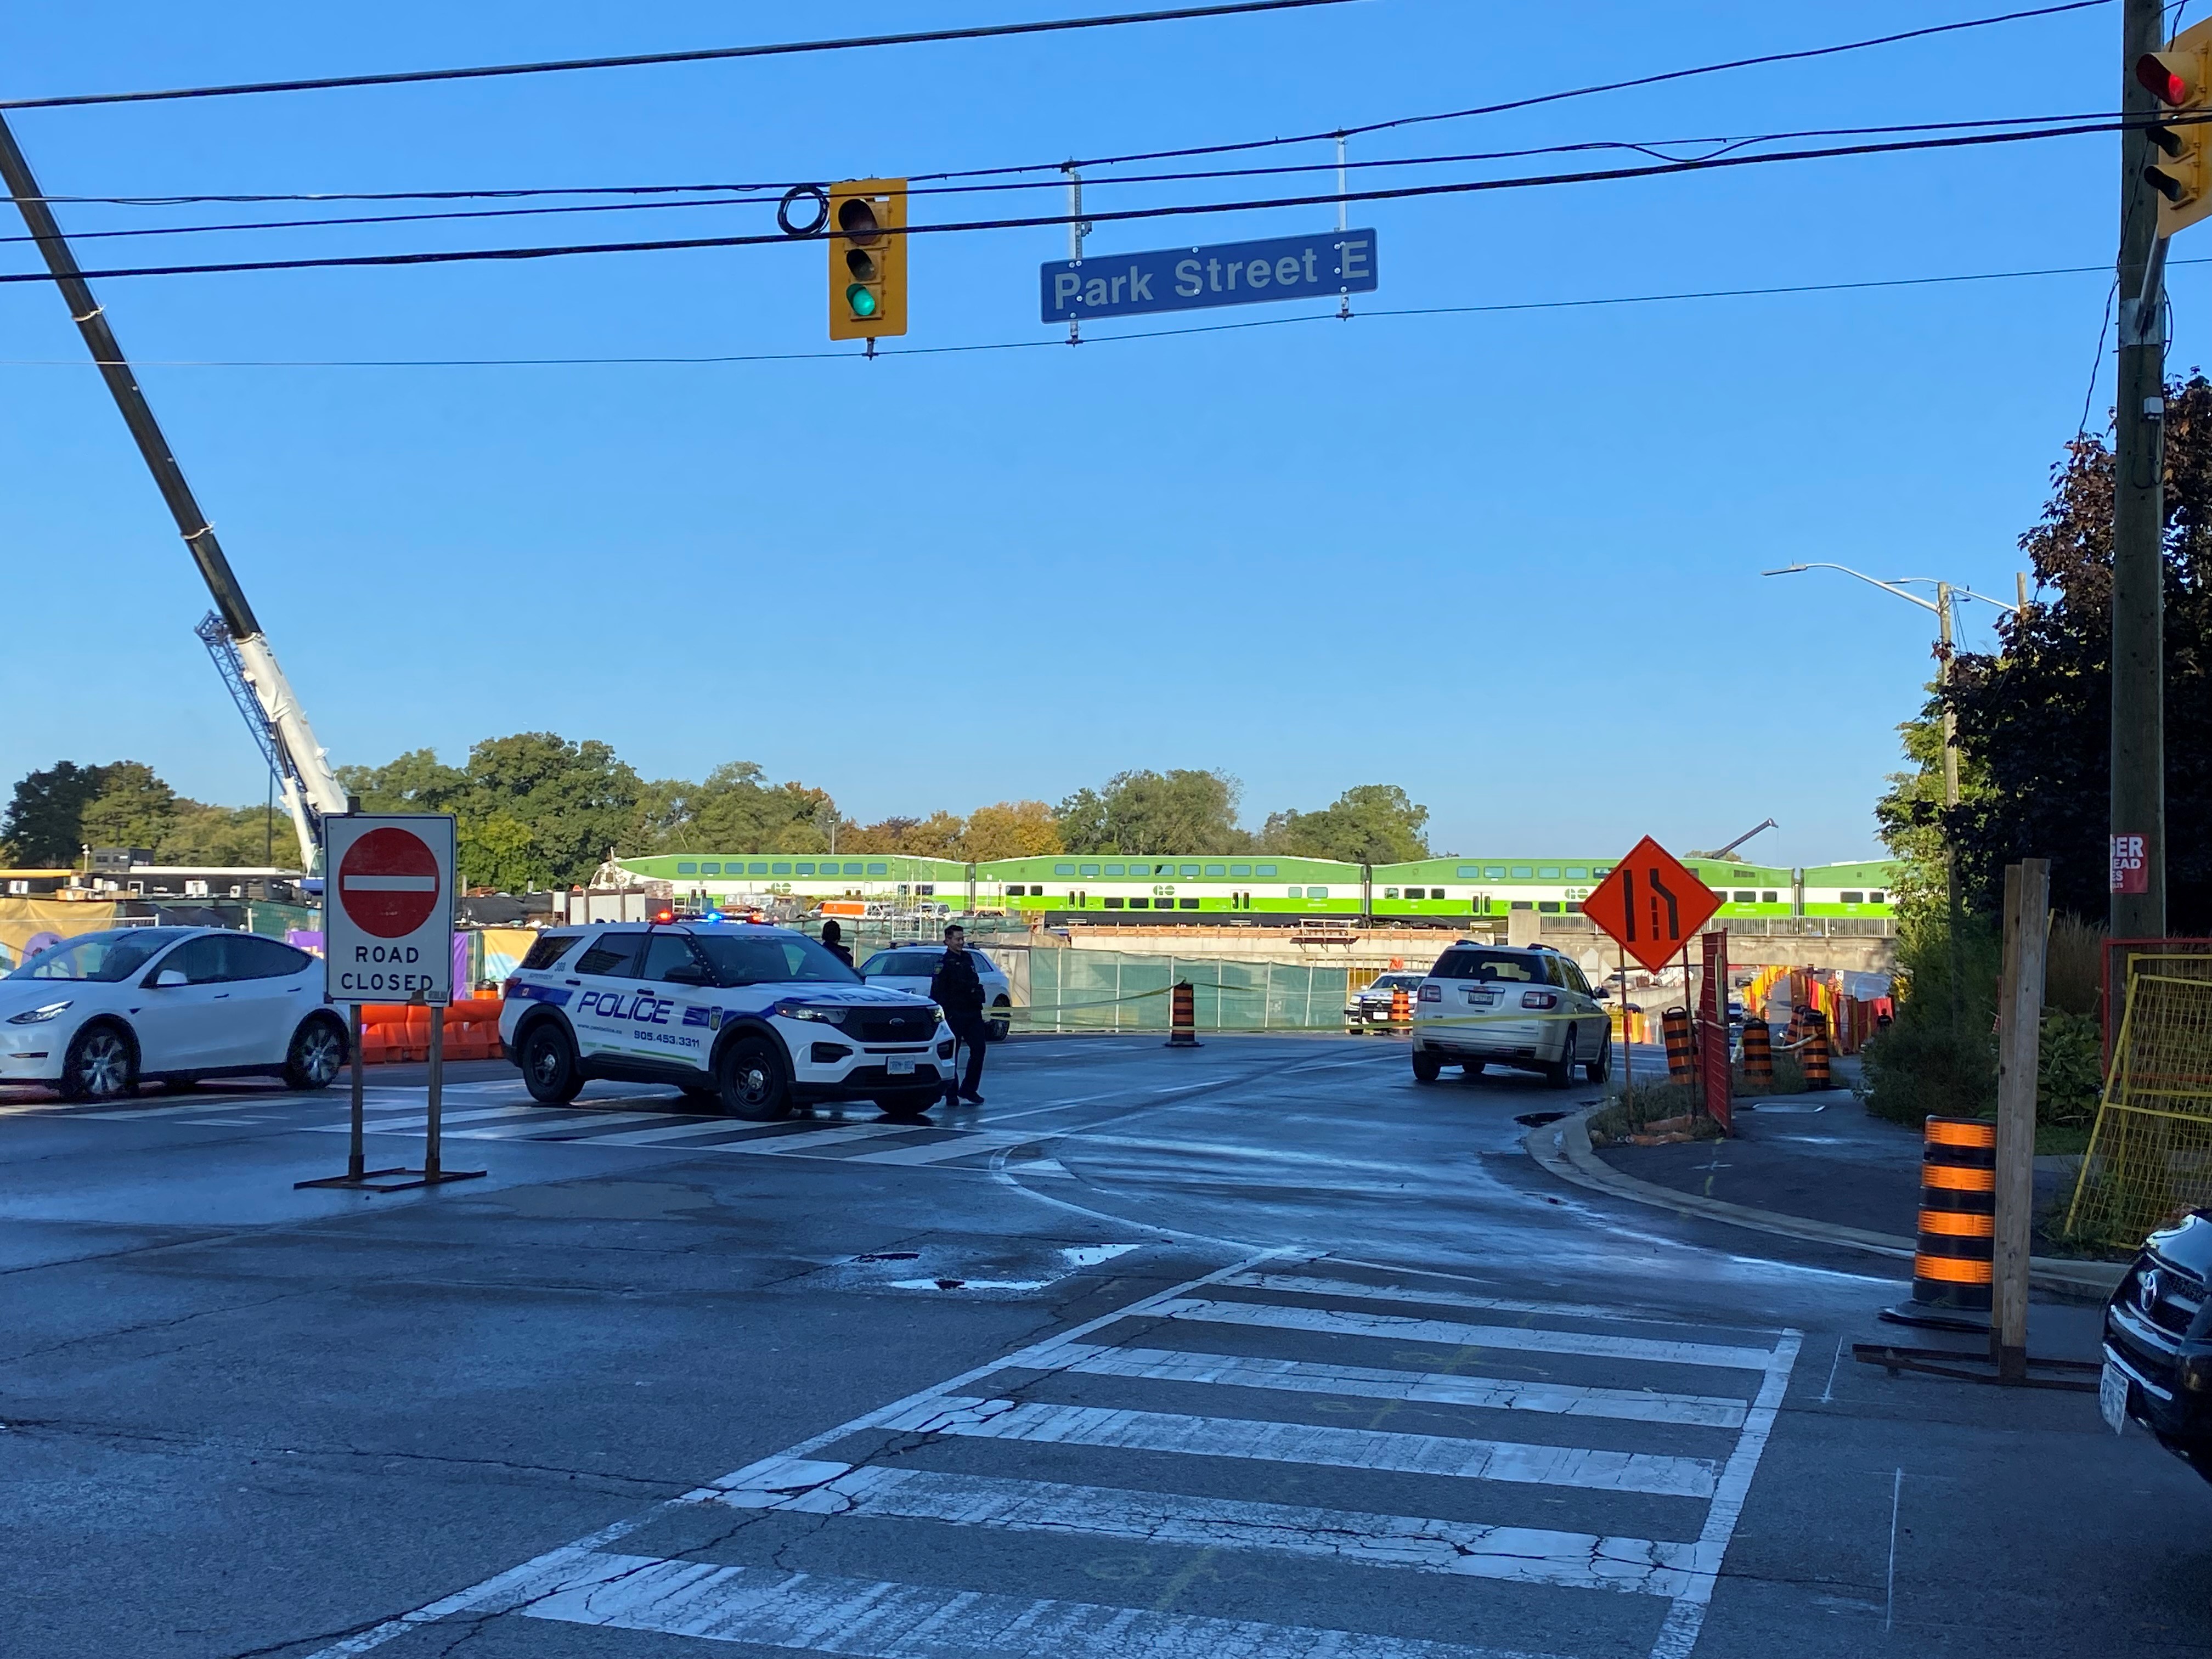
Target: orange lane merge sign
[{"x": 1651, "y": 905}]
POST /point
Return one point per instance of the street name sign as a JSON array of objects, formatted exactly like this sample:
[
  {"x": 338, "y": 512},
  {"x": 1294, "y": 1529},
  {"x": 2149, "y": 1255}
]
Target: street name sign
[
  {"x": 1314, "y": 267},
  {"x": 388, "y": 907},
  {"x": 1651, "y": 905}
]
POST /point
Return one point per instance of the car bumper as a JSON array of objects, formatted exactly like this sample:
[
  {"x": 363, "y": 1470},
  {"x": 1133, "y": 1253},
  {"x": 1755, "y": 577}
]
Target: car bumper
[
  {"x": 34, "y": 1054},
  {"x": 1521, "y": 1039},
  {"x": 833, "y": 1067}
]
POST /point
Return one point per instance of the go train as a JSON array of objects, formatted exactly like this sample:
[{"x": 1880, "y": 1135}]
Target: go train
[{"x": 1246, "y": 889}]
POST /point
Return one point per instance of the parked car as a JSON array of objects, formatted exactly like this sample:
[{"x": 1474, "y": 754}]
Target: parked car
[
  {"x": 95, "y": 1015},
  {"x": 2158, "y": 1342},
  {"x": 1371, "y": 1004},
  {"x": 1485, "y": 1005},
  {"x": 911, "y": 967}
]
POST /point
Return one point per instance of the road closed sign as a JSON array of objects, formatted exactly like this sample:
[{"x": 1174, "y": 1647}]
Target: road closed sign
[{"x": 388, "y": 907}]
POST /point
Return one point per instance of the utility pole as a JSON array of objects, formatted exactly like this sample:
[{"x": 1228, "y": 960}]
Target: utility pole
[
  {"x": 1956, "y": 911},
  {"x": 2138, "y": 781}
]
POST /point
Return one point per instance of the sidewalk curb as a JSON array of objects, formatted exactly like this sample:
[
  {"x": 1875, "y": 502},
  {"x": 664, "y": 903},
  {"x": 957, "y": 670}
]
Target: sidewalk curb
[{"x": 1563, "y": 1149}]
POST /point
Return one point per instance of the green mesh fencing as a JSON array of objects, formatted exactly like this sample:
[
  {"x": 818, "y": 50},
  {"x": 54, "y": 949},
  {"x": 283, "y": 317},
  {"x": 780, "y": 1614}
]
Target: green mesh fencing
[{"x": 1111, "y": 991}]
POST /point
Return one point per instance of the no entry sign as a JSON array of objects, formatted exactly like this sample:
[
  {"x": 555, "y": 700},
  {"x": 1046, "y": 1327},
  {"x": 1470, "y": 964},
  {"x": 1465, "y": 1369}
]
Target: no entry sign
[{"x": 388, "y": 907}]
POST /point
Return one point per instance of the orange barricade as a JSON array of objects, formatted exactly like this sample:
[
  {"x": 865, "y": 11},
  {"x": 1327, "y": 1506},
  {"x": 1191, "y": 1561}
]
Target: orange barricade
[{"x": 399, "y": 1033}]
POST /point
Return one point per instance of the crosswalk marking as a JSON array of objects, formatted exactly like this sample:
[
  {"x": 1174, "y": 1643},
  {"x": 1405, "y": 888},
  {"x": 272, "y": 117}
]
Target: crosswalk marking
[
  {"x": 1522, "y": 1338},
  {"x": 1434, "y": 1388},
  {"x": 820, "y": 1614},
  {"x": 1341, "y": 1289},
  {"x": 1303, "y": 1443},
  {"x": 964, "y": 1145},
  {"x": 1528, "y": 1555},
  {"x": 525, "y": 1130},
  {"x": 702, "y": 1126}
]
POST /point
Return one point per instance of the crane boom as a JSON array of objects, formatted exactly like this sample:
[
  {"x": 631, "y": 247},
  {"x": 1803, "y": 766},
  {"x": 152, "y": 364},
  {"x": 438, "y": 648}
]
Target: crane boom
[{"x": 311, "y": 779}]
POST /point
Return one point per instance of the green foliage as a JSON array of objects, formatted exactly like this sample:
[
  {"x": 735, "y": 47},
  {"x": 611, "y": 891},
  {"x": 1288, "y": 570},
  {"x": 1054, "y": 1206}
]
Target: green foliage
[
  {"x": 228, "y": 837},
  {"x": 1369, "y": 823},
  {"x": 134, "y": 808},
  {"x": 1929, "y": 1061},
  {"x": 2074, "y": 970},
  {"x": 1155, "y": 812},
  {"x": 497, "y": 850},
  {"x": 578, "y": 801},
  {"x": 2069, "y": 1077},
  {"x": 413, "y": 782},
  {"x": 736, "y": 809},
  {"x": 43, "y": 823}
]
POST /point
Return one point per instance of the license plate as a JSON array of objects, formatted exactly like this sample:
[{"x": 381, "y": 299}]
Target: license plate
[
  {"x": 2112, "y": 1397},
  {"x": 900, "y": 1067}
]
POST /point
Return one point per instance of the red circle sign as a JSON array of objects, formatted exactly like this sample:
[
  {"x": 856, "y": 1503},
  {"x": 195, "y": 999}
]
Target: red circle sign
[{"x": 388, "y": 883}]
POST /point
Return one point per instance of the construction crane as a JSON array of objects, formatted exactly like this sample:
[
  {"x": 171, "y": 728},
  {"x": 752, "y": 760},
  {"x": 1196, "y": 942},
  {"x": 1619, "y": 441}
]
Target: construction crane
[
  {"x": 1758, "y": 829},
  {"x": 232, "y": 633}
]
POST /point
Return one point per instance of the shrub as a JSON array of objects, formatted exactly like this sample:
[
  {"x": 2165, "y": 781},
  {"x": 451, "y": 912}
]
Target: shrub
[{"x": 2070, "y": 1077}]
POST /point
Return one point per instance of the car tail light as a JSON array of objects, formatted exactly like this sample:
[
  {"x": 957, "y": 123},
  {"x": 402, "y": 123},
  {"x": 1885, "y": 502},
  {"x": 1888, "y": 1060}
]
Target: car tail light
[
  {"x": 1540, "y": 999},
  {"x": 1433, "y": 993}
]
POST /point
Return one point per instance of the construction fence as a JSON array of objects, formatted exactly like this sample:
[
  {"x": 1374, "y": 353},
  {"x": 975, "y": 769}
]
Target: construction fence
[
  {"x": 2150, "y": 1153},
  {"x": 1114, "y": 991}
]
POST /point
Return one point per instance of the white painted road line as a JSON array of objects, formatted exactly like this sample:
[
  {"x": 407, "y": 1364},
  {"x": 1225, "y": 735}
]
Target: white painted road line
[
  {"x": 1528, "y": 1555},
  {"x": 872, "y": 1619},
  {"x": 702, "y": 1126},
  {"x": 1301, "y": 1443},
  {"x": 1434, "y": 1388},
  {"x": 544, "y": 1129},
  {"x": 382, "y": 1126},
  {"x": 1342, "y": 1291},
  {"x": 937, "y": 1152},
  {"x": 1518, "y": 1338}
]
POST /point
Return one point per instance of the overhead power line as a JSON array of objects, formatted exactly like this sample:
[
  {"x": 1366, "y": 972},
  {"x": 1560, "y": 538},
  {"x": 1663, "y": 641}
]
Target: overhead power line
[
  {"x": 1058, "y": 342},
  {"x": 1458, "y": 187},
  {"x": 641, "y": 60}
]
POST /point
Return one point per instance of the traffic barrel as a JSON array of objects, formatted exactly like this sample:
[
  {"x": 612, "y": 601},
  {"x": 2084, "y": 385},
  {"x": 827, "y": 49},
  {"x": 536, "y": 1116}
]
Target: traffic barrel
[
  {"x": 1401, "y": 1008},
  {"x": 1953, "y": 1257},
  {"x": 1681, "y": 1061},
  {"x": 1814, "y": 1058},
  {"x": 1758, "y": 1055},
  {"x": 1182, "y": 1019}
]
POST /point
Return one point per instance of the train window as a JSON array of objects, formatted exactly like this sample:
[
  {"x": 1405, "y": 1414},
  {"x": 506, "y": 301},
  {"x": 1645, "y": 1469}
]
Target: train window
[
  {"x": 1415, "y": 893},
  {"x": 1877, "y": 898},
  {"x": 1186, "y": 904},
  {"x": 1770, "y": 898},
  {"x": 1217, "y": 869},
  {"x": 1089, "y": 869},
  {"x": 1600, "y": 869},
  {"x": 1316, "y": 892},
  {"x": 1469, "y": 873},
  {"x": 878, "y": 870},
  {"x": 1392, "y": 892},
  {"x": 850, "y": 870},
  {"x": 1263, "y": 869},
  {"x": 1113, "y": 904},
  {"x": 757, "y": 869},
  {"x": 1522, "y": 904},
  {"x": 710, "y": 869},
  {"x": 1576, "y": 872},
  {"x": 780, "y": 870},
  {"x": 1522, "y": 872},
  {"x": 1574, "y": 907},
  {"x": 1139, "y": 904},
  {"x": 1548, "y": 907},
  {"x": 1112, "y": 869},
  {"x": 1298, "y": 892},
  {"x": 1493, "y": 872},
  {"x": 1063, "y": 869},
  {"x": 1854, "y": 898},
  {"x": 1240, "y": 871},
  {"x": 688, "y": 868},
  {"x": 803, "y": 869},
  {"x": 1548, "y": 871},
  {"x": 1189, "y": 872},
  {"x": 1747, "y": 898}
]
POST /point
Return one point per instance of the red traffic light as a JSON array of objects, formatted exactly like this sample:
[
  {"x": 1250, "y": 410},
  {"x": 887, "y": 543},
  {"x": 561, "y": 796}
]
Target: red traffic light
[{"x": 2164, "y": 82}]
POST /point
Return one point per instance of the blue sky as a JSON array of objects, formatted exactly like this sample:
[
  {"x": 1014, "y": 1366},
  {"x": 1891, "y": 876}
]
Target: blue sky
[{"x": 1508, "y": 560}]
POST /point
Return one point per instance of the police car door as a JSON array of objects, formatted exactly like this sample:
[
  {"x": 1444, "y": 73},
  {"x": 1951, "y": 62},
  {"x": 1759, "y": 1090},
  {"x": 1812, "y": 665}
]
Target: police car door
[
  {"x": 607, "y": 969},
  {"x": 670, "y": 1021}
]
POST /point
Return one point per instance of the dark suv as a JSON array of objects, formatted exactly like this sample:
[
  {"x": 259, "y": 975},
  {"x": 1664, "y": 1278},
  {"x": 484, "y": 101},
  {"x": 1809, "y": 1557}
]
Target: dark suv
[{"x": 2158, "y": 1342}]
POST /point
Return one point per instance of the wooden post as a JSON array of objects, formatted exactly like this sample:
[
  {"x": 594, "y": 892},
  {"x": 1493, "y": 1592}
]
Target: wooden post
[{"x": 2020, "y": 1032}]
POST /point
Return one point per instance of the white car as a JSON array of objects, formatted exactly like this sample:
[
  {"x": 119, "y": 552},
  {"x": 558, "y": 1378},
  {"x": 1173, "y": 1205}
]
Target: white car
[
  {"x": 95, "y": 1014},
  {"x": 911, "y": 968},
  {"x": 1485, "y": 1005},
  {"x": 749, "y": 1020}
]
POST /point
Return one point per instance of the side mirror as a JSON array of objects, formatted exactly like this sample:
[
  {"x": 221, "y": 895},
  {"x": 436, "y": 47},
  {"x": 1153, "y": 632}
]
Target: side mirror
[
  {"x": 687, "y": 973},
  {"x": 169, "y": 976},
  {"x": 1603, "y": 993}
]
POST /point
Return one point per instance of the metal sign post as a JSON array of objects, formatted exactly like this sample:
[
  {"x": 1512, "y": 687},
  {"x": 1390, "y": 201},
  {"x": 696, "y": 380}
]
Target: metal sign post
[{"x": 388, "y": 937}]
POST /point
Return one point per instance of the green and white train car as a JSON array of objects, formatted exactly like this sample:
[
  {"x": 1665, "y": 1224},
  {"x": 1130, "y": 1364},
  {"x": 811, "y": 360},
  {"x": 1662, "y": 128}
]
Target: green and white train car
[{"x": 1251, "y": 889}]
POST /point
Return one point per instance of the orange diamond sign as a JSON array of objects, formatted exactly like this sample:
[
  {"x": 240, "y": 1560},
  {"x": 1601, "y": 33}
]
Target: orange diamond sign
[{"x": 1651, "y": 905}]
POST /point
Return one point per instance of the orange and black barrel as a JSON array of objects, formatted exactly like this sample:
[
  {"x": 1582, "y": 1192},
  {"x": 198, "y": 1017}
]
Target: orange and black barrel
[
  {"x": 1951, "y": 1259},
  {"x": 1681, "y": 1059},
  {"x": 1813, "y": 1057},
  {"x": 1401, "y": 1007},
  {"x": 1758, "y": 1054},
  {"x": 1183, "y": 1017}
]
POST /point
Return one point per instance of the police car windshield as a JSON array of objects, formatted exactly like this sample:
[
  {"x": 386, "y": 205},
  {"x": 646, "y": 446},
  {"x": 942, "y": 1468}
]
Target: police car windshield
[
  {"x": 1490, "y": 964},
  {"x": 776, "y": 961}
]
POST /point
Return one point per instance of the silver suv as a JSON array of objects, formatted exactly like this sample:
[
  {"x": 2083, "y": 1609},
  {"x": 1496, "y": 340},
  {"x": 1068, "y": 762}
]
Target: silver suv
[
  {"x": 1531, "y": 1008},
  {"x": 747, "y": 1020}
]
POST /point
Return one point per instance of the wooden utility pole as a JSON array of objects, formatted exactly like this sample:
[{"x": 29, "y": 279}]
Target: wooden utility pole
[
  {"x": 2138, "y": 781},
  {"x": 2020, "y": 1033}
]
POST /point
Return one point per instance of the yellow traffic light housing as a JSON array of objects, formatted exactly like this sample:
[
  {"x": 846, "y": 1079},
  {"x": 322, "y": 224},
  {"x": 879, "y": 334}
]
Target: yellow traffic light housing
[
  {"x": 2180, "y": 166},
  {"x": 867, "y": 259}
]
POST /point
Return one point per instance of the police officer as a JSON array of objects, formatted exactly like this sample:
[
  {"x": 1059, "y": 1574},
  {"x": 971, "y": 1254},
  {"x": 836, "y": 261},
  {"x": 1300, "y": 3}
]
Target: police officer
[
  {"x": 833, "y": 936},
  {"x": 956, "y": 988}
]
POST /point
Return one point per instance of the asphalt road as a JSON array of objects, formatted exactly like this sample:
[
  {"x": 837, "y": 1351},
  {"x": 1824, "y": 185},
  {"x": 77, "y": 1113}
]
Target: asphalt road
[{"x": 1259, "y": 1350}]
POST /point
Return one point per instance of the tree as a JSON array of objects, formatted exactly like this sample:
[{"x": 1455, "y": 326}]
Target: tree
[
  {"x": 498, "y": 851},
  {"x": 1154, "y": 812},
  {"x": 1010, "y": 830},
  {"x": 44, "y": 822},
  {"x": 413, "y": 782},
  {"x": 226, "y": 836},
  {"x": 1368, "y": 823},
  {"x": 134, "y": 808},
  {"x": 734, "y": 810},
  {"x": 576, "y": 800},
  {"x": 2034, "y": 719}
]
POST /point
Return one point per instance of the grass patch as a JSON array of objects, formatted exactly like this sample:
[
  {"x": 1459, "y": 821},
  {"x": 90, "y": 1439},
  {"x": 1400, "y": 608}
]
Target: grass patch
[{"x": 1638, "y": 1109}]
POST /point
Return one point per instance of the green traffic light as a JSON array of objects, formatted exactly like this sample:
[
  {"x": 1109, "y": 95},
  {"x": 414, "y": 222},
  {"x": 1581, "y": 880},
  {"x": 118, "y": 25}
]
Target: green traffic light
[{"x": 862, "y": 301}]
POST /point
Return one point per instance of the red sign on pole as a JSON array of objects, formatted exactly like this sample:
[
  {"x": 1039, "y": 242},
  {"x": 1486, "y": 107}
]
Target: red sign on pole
[
  {"x": 388, "y": 882},
  {"x": 2131, "y": 864},
  {"x": 1651, "y": 905},
  {"x": 1716, "y": 1066}
]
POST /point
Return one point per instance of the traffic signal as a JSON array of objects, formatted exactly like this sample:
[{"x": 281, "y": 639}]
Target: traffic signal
[
  {"x": 2180, "y": 78},
  {"x": 867, "y": 259}
]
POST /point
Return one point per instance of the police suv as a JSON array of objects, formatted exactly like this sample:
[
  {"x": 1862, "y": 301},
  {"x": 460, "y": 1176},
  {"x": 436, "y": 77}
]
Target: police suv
[{"x": 751, "y": 1019}]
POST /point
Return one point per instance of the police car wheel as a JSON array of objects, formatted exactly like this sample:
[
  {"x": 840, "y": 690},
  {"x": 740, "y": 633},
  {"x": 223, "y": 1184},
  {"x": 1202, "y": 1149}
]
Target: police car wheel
[
  {"x": 548, "y": 1065},
  {"x": 750, "y": 1078}
]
